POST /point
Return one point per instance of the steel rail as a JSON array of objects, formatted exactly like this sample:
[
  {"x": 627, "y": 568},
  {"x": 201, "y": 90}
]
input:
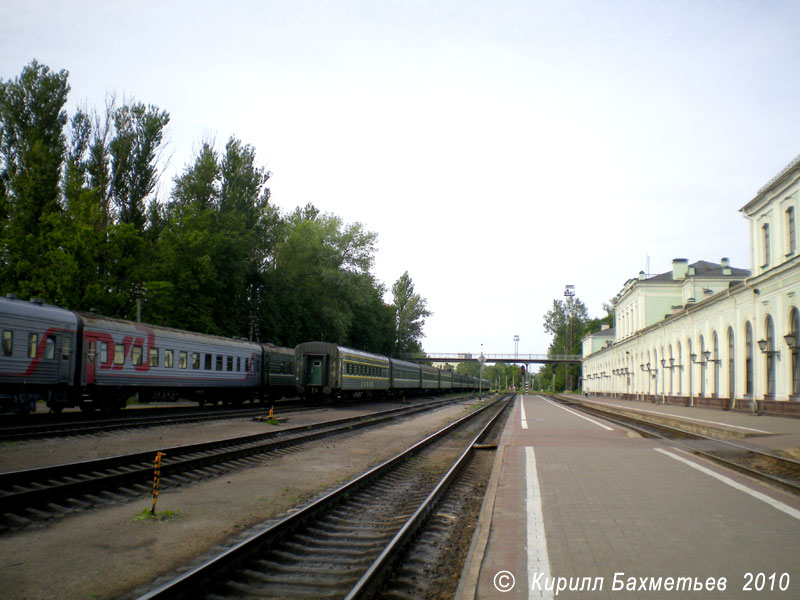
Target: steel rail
[
  {"x": 372, "y": 578},
  {"x": 64, "y": 481},
  {"x": 187, "y": 584}
]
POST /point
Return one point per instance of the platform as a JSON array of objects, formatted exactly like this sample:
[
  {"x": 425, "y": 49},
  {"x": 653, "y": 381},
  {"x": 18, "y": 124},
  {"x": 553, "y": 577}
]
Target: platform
[{"x": 580, "y": 504}]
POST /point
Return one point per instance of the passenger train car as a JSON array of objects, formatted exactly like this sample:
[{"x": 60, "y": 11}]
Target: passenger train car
[
  {"x": 78, "y": 359},
  {"x": 327, "y": 369},
  {"x": 84, "y": 360}
]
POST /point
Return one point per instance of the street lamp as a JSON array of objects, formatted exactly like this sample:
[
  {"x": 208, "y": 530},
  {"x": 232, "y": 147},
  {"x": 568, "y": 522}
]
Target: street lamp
[{"x": 516, "y": 345}]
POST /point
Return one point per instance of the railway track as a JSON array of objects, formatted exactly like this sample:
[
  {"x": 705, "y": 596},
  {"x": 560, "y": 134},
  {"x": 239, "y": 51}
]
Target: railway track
[
  {"x": 59, "y": 426},
  {"x": 777, "y": 470},
  {"x": 37, "y": 495},
  {"x": 346, "y": 543}
]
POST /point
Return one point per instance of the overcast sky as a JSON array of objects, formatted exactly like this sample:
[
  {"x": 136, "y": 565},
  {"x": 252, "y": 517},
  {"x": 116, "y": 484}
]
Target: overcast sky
[{"x": 500, "y": 150}]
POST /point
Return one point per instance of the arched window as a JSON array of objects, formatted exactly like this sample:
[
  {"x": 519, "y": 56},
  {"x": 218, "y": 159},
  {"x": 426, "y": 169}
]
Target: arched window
[
  {"x": 680, "y": 369},
  {"x": 689, "y": 365},
  {"x": 769, "y": 332},
  {"x": 791, "y": 236},
  {"x": 748, "y": 359},
  {"x": 703, "y": 362},
  {"x": 731, "y": 365},
  {"x": 715, "y": 342},
  {"x": 671, "y": 367},
  {"x": 794, "y": 348},
  {"x": 765, "y": 243}
]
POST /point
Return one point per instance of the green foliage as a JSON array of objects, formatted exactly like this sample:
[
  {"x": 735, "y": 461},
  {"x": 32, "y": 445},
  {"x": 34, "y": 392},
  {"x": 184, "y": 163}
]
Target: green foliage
[
  {"x": 81, "y": 227},
  {"x": 568, "y": 321},
  {"x": 147, "y": 515},
  {"x": 410, "y": 315}
]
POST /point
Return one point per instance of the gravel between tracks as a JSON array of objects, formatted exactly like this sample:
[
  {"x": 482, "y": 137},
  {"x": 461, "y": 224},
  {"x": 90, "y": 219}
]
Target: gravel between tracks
[{"x": 106, "y": 553}]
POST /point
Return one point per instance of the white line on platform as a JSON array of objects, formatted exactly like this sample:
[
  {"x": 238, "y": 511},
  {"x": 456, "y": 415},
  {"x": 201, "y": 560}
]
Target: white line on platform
[
  {"x": 524, "y": 421},
  {"x": 734, "y": 484},
  {"x": 538, "y": 560},
  {"x": 598, "y": 423},
  {"x": 658, "y": 412}
]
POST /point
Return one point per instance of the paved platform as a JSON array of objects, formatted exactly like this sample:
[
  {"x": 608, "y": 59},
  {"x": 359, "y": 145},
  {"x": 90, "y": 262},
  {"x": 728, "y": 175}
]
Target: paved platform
[
  {"x": 580, "y": 504},
  {"x": 761, "y": 431}
]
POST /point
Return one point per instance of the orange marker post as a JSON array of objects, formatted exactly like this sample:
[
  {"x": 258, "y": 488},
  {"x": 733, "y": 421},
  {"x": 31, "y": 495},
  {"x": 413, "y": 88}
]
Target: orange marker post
[{"x": 156, "y": 480}]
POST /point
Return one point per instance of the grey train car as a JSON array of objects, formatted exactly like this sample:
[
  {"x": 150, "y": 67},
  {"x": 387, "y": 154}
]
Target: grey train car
[
  {"x": 117, "y": 355},
  {"x": 74, "y": 359},
  {"x": 37, "y": 354}
]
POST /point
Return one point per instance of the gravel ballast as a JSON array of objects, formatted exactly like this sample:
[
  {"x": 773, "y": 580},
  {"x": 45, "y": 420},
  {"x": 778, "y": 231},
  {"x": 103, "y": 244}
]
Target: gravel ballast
[{"x": 107, "y": 553}]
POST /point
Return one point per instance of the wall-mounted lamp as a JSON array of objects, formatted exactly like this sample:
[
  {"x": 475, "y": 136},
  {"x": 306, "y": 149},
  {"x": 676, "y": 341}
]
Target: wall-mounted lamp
[
  {"x": 642, "y": 365},
  {"x": 694, "y": 359},
  {"x": 763, "y": 345},
  {"x": 791, "y": 341},
  {"x": 664, "y": 363}
]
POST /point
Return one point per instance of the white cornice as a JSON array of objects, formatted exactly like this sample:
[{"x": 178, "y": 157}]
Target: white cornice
[{"x": 762, "y": 196}]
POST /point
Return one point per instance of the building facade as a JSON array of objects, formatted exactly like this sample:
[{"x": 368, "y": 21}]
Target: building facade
[{"x": 707, "y": 333}]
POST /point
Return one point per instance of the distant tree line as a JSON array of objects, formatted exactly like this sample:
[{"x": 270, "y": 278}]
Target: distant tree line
[{"x": 82, "y": 226}]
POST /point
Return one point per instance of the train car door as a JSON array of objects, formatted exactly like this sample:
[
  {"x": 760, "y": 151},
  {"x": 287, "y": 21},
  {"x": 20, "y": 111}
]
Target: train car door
[
  {"x": 91, "y": 355},
  {"x": 64, "y": 370},
  {"x": 315, "y": 367}
]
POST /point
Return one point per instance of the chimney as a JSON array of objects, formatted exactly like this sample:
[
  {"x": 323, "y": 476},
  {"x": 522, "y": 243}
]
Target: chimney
[
  {"x": 725, "y": 263},
  {"x": 642, "y": 276},
  {"x": 680, "y": 266},
  {"x": 604, "y": 326}
]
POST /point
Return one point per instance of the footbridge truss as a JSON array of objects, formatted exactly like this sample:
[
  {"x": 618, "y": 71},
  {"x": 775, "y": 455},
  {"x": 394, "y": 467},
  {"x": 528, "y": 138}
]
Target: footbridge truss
[{"x": 456, "y": 357}]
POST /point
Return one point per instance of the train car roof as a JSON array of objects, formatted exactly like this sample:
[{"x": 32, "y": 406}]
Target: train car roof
[
  {"x": 324, "y": 347},
  {"x": 404, "y": 363},
  {"x": 133, "y": 326},
  {"x": 36, "y": 310},
  {"x": 270, "y": 347}
]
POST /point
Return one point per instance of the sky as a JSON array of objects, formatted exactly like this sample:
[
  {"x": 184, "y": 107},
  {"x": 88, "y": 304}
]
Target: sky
[{"x": 500, "y": 150}]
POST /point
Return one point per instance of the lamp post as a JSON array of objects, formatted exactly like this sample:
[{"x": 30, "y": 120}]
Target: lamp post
[{"x": 569, "y": 292}]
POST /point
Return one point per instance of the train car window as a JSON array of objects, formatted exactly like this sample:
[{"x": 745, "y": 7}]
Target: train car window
[
  {"x": 182, "y": 356},
  {"x": 239, "y": 364},
  {"x": 136, "y": 356},
  {"x": 230, "y": 363},
  {"x": 247, "y": 365},
  {"x": 119, "y": 355},
  {"x": 219, "y": 362},
  {"x": 153, "y": 357},
  {"x": 66, "y": 347},
  {"x": 103, "y": 353},
  {"x": 207, "y": 363},
  {"x": 33, "y": 343},
  {"x": 196, "y": 360},
  {"x": 8, "y": 342},
  {"x": 50, "y": 348},
  {"x": 168, "y": 358}
]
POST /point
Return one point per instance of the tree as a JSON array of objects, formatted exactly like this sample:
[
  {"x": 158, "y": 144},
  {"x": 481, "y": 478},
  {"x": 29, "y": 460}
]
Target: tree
[
  {"x": 410, "y": 315},
  {"x": 32, "y": 149},
  {"x": 212, "y": 248},
  {"x": 566, "y": 321},
  {"x": 320, "y": 282}
]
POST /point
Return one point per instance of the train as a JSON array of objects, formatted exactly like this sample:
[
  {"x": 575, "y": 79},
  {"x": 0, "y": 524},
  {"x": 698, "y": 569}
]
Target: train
[{"x": 81, "y": 359}]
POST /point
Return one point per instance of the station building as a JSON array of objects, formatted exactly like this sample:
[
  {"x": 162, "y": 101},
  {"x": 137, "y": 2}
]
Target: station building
[{"x": 708, "y": 333}]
